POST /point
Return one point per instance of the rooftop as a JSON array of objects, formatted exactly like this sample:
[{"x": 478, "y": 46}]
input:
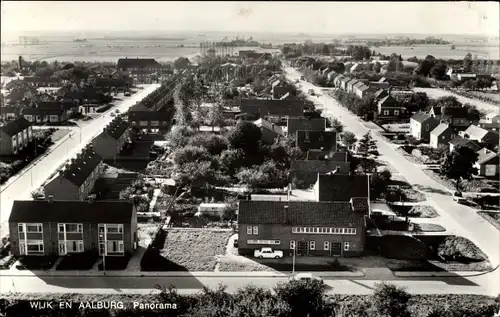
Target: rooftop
[
  {"x": 79, "y": 169},
  {"x": 13, "y": 127},
  {"x": 337, "y": 187},
  {"x": 42, "y": 211}
]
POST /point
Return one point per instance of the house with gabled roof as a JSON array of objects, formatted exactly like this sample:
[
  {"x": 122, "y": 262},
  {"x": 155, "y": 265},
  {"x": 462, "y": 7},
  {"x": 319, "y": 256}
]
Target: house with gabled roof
[
  {"x": 112, "y": 139},
  {"x": 460, "y": 142},
  {"x": 421, "y": 125},
  {"x": 344, "y": 82},
  {"x": 76, "y": 180},
  {"x": 318, "y": 154},
  {"x": 337, "y": 81},
  {"x": 15, "y": 135},
  {"x": 280, "y": 88},
  {"x": 270, "y": 131},
  {"x": 306, "y": 124},
  {"x": 321, "y": 140},
  {"x": 388, "y": 107},
  {"x": 135, "y": 65},
  {"x": 273, "y": 110},
  {"x": 350, "y": 85},
  {"x": 441, "y": 135},
  {"x": 9, "y": 113},
  {"x": 491, "y": 121},
  {"x": 41, "y": 228},
  {"x": 481, "y": 136},
  {"x": 459, "y": 118},
  {"x": 487, "y": 162},
  {"x": 379, "y": 94}
]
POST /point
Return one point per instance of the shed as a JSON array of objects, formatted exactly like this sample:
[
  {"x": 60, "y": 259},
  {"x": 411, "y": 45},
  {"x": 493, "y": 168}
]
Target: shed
[{"x": 211, "y": 209}]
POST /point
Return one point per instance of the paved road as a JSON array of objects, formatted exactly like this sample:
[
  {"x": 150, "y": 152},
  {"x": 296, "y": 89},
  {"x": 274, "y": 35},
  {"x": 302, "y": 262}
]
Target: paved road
[
  {"x": 460, "y": 220},
  {"x": 142, "y": 285},
  {"x": 33, "y": 176},
  {"x": 437, "y": 92}
]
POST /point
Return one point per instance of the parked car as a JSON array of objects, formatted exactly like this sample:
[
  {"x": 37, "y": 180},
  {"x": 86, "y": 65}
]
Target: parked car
[
  {"x": 127, "y": 94},
  {"x": 311, "y": 92},
  {"x": 302, "y": 78},
  {"x": 117, "y": 111},
  {"x": 305, "y": 277},
  {"x": 268, "y": 253},
  {"x": 112, "y": 114},
  {"x": 235, "y": 243}
]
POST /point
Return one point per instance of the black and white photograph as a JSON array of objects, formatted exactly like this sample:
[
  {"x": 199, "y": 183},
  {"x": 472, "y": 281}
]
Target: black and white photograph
[{"x": 250, "y": 159}]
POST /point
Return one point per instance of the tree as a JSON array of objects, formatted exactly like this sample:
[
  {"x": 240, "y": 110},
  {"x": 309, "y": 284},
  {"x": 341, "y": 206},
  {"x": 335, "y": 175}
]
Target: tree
[
  {"x": 425, "y": 65},
  {"x": 214, "y": 144},
  {"x": 377, "y": 67},
  {"x": 391, "y": 300},
  {"x": 191, "y": 154},
  {"x": 448, "y": 101},
  {"x": 379, "y": 182},
  {"x": 459, "y": 165},
  {"x": 181, "y": 63},
  {"x": 349, "y": 139},
  {"x": 194, "y": 174},
  {"x": 438, "y": 71},
  {"x": 305, "y": 298},
  {"x": 179, "y": 136},
  {"x": 366, "y": 144},
  {"x": 232, "y": 160},
  {"x": 245, "y": 136},
  {"x": 336, "y": 124},
  {"x": 468, "y": 62}
]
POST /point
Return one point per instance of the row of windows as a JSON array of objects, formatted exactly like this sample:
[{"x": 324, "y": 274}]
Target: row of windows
[
  {"x": 323, "y": 230},
  {"x": 273, "y": 242},
  {"x": 68, "y": 228},
  {"x": 312, "y": 245},
  {"x": 31, "y": 246},
  {"x": 70, "y": 246}
]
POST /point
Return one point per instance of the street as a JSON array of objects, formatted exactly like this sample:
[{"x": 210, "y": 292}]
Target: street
[
  {"x": 460, "y": 219},
  {"x": 191, "y": 284},
  {"x": 35, "y": 174}
]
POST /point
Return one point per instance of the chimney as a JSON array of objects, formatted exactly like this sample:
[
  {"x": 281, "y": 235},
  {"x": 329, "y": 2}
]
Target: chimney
[{"x": 50, "y": 198}]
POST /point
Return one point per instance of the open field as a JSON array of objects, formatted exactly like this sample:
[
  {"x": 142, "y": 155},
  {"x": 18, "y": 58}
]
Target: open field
[
  {"x": 195, "y": 250},
  {"x": 489, "y": 51},
  {"x": 435, "y": 93}
]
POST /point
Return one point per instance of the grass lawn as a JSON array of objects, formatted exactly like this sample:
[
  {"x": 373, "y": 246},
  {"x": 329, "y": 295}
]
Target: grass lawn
[
  {"x": 413, "y": 195},
  {"x": 428, "y": 227},
  {"x": 195, "y": 250},
  {"x": 419, "y": 211},
  {"x": 83, "y": 261},
  {"x": 38, "y": 262},
  {"x": 240, "y": 267}
]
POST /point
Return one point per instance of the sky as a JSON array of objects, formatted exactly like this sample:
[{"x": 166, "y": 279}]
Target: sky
[{"x": 433, "y": 18}]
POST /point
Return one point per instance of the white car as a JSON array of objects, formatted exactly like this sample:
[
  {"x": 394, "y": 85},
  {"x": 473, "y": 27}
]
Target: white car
[
  {"x": 268, "y": 253},
  {"x": 305, "y": 277}
]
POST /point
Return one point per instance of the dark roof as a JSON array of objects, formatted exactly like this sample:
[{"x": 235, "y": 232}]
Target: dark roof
[
  {"x": 79, "y": 170},
  {"x": 13, "y": 127},
  {"x": 295, "y": 124},
  {"x": 10, "y": 110},
  {"x": 380, "y": 93},
  {"x": 459, "y": 141},
  {"x": 421, "y": 117},
  {"x": 42, "y": 111},
  {"x": 436, "y": 110},
  {"x": 389, "y": 101},
  {"x": 486, "y": 156},
  {"x": 317, "y": 140},
  {"x": 148, "y": 115},
  {"x": 306, "y": 213},
  {"x": 263, "y": 107},
  {"x": 318, "y": 166},
  {"x": 137, "y": 63},
  {"x": 338, "y": 187},
  {"x": 43, "y": 211},
  {"x": 116, "y": 128}
]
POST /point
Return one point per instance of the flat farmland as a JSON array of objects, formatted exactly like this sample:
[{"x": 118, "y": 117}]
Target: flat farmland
[{"x": 487, "y": 51}]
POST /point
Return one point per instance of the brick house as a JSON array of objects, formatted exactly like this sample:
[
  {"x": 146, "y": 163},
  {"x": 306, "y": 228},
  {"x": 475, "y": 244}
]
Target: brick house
[
  {"x": 337, "y": 156},
  {"x": 379, "y": 94},
  {"x": 149, "y": 120},
  {"x": 459, "y": 118},
  {"x": 15, "y": 135},
  {"x": 362, "y": 91},
  {"x": 388, "y": 107},
  {"x": 481, "y": 136},
  {"x": 273, "y": 110},
  {"x": 490, "y": 122},
  {"x": 270, "y": 131},
  {"x": 487, "y": 163},
  {"x": 310, "y": 228},
  {"x": 459, "y": 142},
  {"x": 9, "y": 113},
  {"x": 279, "y": 89},
  {"x": 307, "y": 140},
  {"x": 306, "y": 124},
  {"x": 137, "y": 65},
  {"x": 441, "y": 135},
  {"x": 78, "y": 177},
  {"x": 421, "y": 125},
  {"x": 340, "y": 187},
  {"x": 111, "y": 140},
  {"x": 45, "y": 115},
  {"x": 64, "y": 227}
]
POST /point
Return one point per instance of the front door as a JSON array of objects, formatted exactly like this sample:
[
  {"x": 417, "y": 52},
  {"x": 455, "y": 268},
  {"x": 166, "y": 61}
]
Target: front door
[
  {"x": 336, "y": 249},
  {"x": 62, "y": 248},
  {"x": 302, "y": 248}
]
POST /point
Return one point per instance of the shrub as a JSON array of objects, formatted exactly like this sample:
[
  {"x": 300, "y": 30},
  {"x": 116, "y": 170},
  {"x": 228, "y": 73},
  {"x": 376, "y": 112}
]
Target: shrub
[
  {"x": 391, "y": 300},
  {"x": 461, "y": 249}
]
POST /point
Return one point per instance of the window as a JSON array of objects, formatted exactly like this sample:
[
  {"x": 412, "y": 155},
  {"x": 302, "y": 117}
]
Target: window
[
  {"x": 114, "y": 228},
  {"x": 155, "y": 123},
  {"x": 396, "y": 112},
  {"x": 34, "y": 246},
  {"x": 70, "y": 227},
  {"x": 255, "y": 230},
  {"x": 263, "y": 242},
  {"x": 386, "y": 112},
  {"x": 120, "y": 246},
  {"x": 20, "y": 228},
  {"x": 306, "y": 138},
  {"x": 427, "y": 127},
  {"x": 346, "y": 246},
  {"x": 326, "y": 245},
  {"x": 312, "y": 245},
  {"x": 294, "y": 230},
  {"x": 249, "y": 229},
  {"x": 34, "y": 227},
  {"x": 292, "y": 244}
]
